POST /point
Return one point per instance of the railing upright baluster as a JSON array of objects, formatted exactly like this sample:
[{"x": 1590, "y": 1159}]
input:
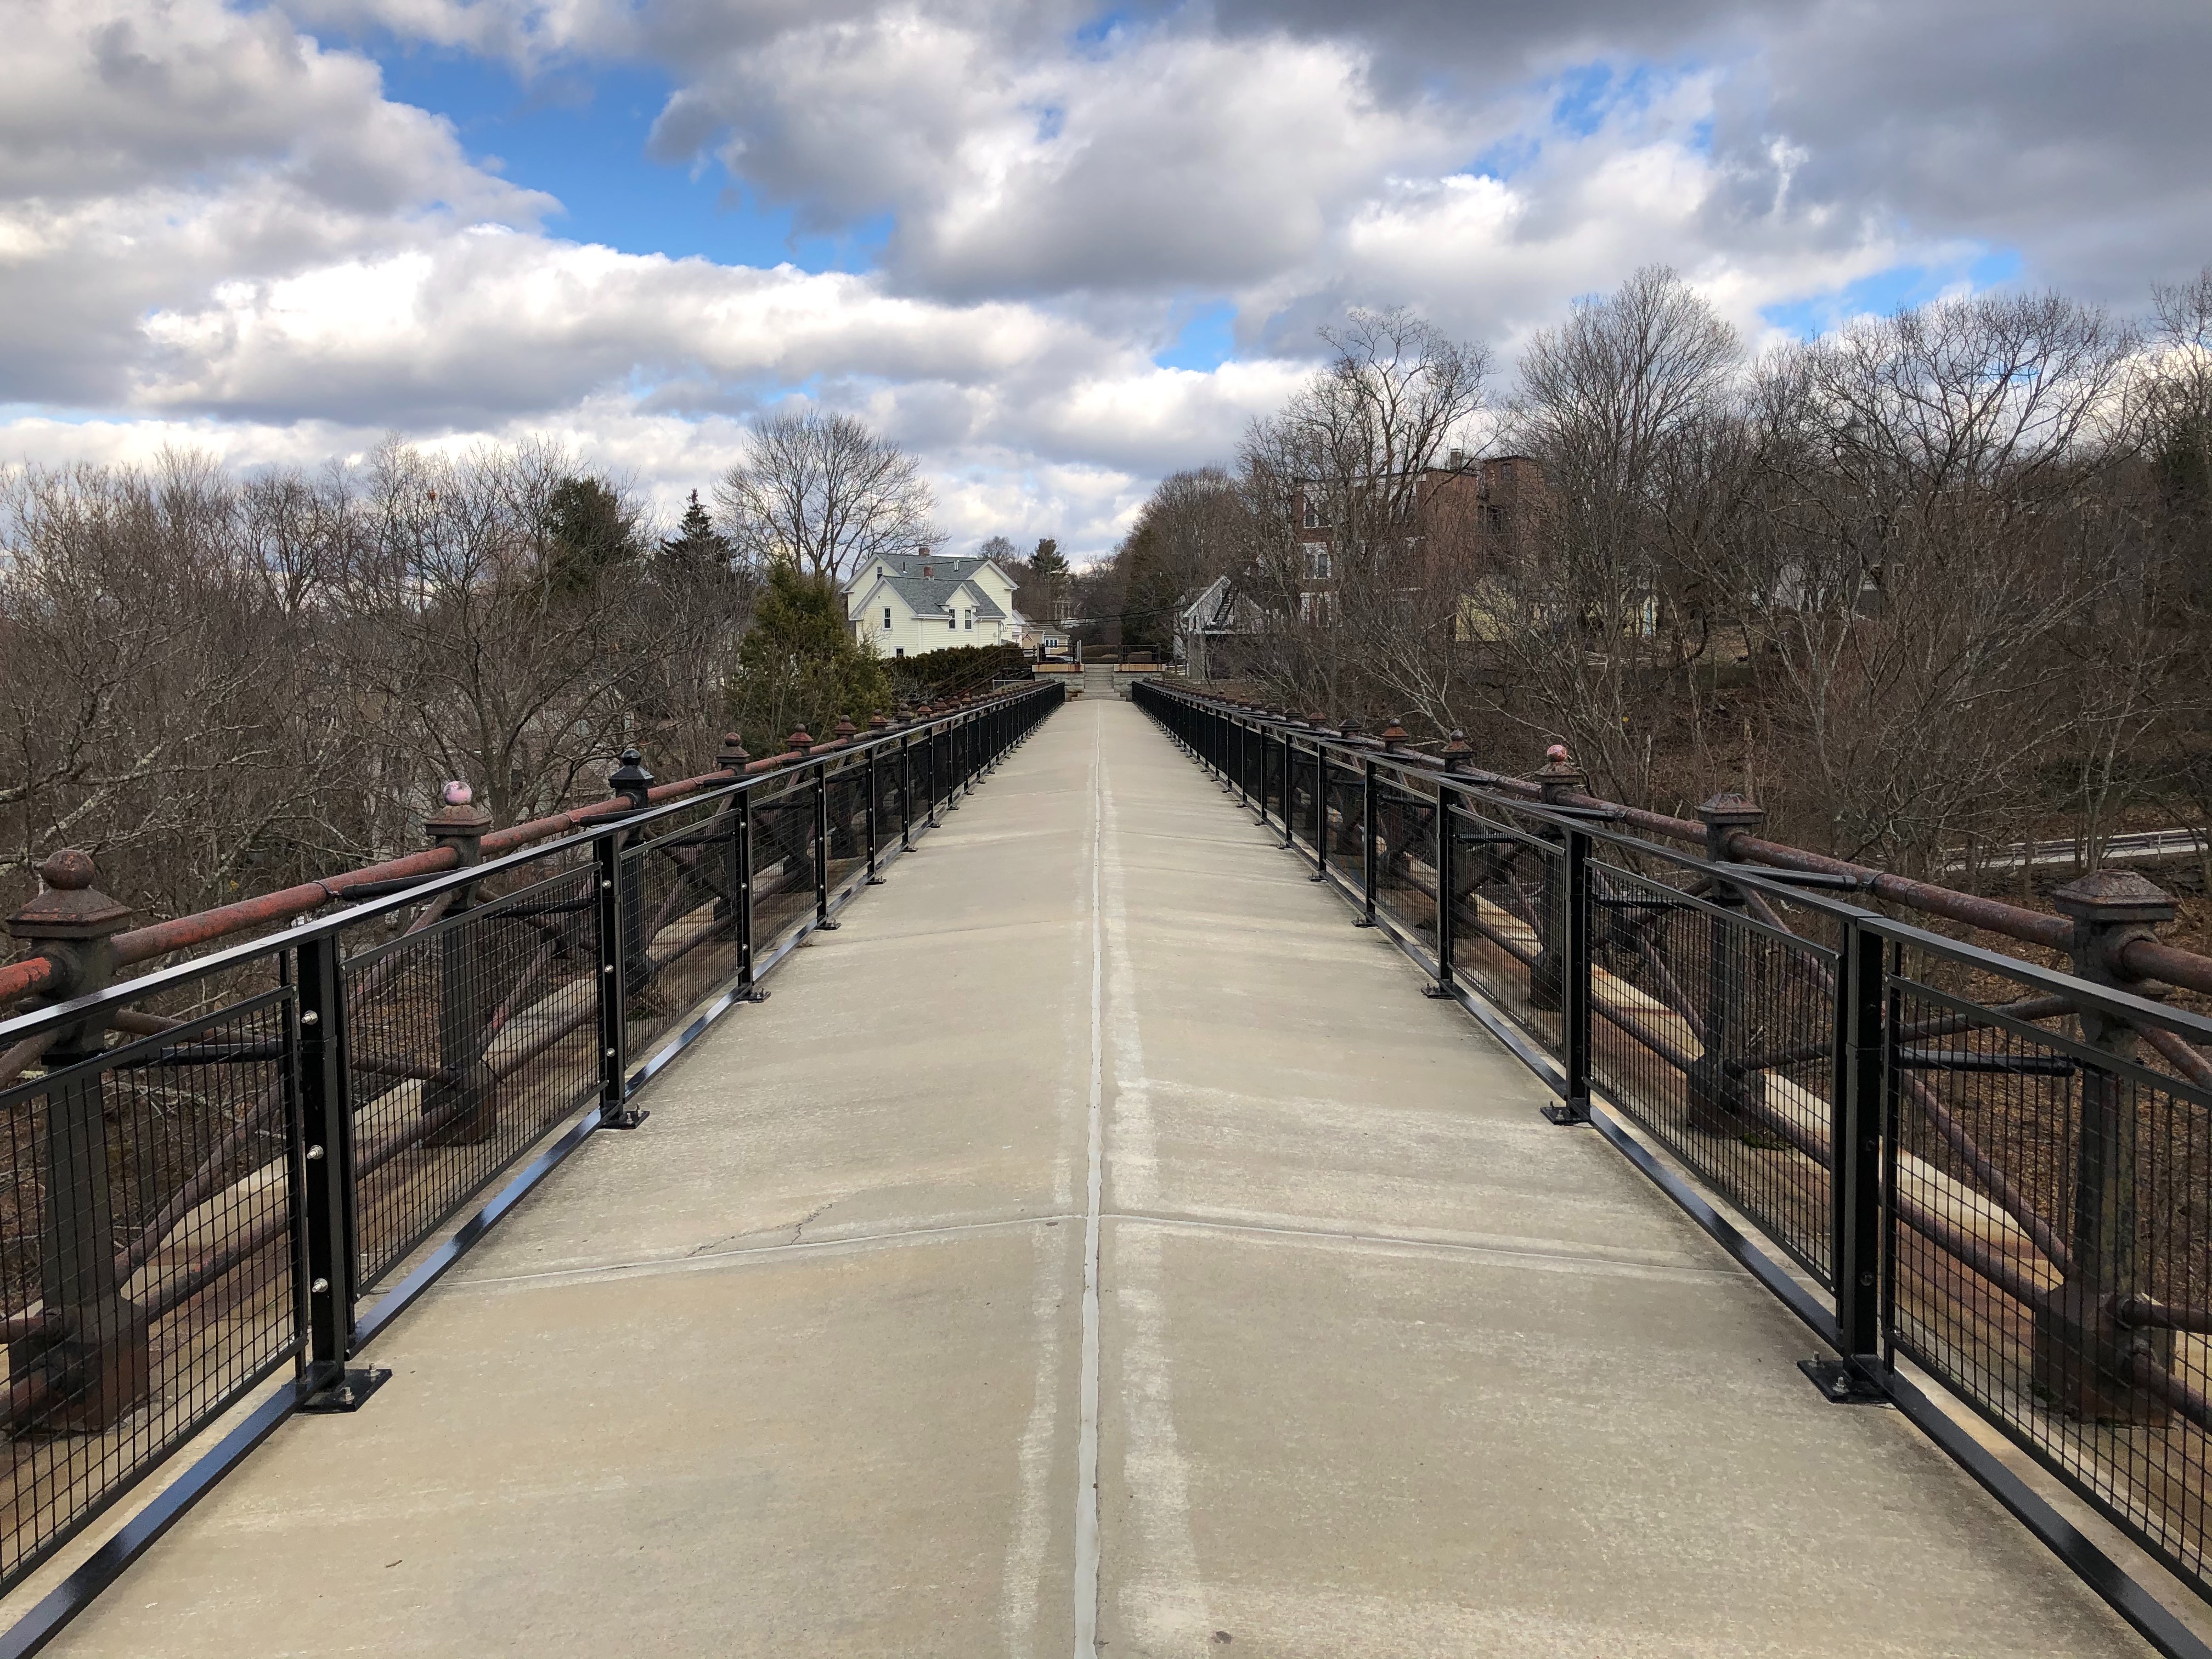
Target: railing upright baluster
[
  {"x": 906, "y": 792},
  {"x": 741, "y": 853},
  {"x": 326, "y": 1126},
  {"x": 1321, "y": 811},
  {"x": 1368, "y": 833},
  {"x": 1443, "y": 858},
  {"x": 1576, "y": 973},
  {"x": 875, "y": 789},
  {"x": 822, "y": 846},
  {"x": 1860, "y": 1085},
  {"x": 614, "y": 1111}
]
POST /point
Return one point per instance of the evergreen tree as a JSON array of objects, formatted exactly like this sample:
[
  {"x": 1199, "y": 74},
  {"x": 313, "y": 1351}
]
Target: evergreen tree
[
  {"x": 1048, "y": 578},
  {"x": 801, "y": 664},
  {"x": 696, "y": 547},
  {"x": 588, "y": 532}
]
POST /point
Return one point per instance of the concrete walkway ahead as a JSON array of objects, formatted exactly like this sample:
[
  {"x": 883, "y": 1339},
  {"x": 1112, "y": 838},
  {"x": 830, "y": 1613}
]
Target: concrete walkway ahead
[{"x": 1097, "y": 1147}]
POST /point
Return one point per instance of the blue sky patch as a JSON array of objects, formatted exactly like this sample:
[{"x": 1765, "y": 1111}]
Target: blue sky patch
[
  {"x": 1206, "y": 340},
  {"x": 1884, "y": 293},
  {"x": 582, "y": 138},
  {"x": 1508, "y": 156}
]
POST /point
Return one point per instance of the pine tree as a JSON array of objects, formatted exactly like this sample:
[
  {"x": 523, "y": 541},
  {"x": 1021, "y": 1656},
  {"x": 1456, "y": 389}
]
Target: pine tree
[
  {"x": 696, "y": 547},
  {"x": 589, "y": 531},
  {"x": 801, "y": 665},
  {"x": 1048, "y": 575}
]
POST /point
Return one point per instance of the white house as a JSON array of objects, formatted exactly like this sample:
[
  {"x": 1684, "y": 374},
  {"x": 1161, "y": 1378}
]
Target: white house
[{"x": 921, "y": 602}]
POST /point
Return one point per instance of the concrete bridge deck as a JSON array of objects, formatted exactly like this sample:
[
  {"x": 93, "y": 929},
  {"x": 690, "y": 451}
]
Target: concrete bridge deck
[{"x": 1098, "y": 1246}]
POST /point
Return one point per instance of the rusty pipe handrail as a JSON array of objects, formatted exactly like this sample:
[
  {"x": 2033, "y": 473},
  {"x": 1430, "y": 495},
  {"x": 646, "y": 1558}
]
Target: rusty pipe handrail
[
  {"x": 2145, "y": 959},
  {"x": 161, "y": 939}
]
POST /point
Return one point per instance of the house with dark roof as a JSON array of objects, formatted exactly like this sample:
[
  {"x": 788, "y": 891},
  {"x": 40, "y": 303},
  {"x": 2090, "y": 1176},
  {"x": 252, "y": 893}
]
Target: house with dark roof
[{"x": 912, "y": 603}]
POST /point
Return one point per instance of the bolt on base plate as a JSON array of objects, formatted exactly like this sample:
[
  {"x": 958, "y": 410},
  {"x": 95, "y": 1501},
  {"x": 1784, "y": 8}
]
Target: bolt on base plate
[
  {"x": 625, "y": 1117},
  {"x": 347, "y": 1393},
  {"x": 1841, "y": 1383},
  {"x": 1567, "y": 1113}
]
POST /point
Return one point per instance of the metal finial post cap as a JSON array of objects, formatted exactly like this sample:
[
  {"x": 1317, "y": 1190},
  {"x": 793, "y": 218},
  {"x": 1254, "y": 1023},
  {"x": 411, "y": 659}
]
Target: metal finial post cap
[
  {"x": 1729, "y": 808},
  {"x": 631, "y": 779},
  {"x": 2114, "y": 896},
  {"x": 70, "y": 907}
]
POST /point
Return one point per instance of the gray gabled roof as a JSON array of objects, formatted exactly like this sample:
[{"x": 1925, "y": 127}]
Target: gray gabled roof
[{"x": 935, "y": 594}]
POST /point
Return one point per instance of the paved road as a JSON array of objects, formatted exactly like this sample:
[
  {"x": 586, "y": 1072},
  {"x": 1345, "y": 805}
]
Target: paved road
[{"x": 1097, "y": 1247}]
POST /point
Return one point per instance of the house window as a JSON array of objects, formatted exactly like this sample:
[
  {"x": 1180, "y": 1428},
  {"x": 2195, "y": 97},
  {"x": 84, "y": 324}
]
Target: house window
[
  {"x": 971, "y": 621},
  {"x": 1318, "y": 562},
  {"x": 887, "y": 619},
  {"x": 1312, "y": 516},
  {"x": 1313, "y": 608},
  {"x": 898, "y": 651}
]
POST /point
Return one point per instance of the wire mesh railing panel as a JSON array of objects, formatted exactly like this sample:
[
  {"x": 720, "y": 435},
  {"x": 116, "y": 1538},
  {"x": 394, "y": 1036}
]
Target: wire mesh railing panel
[
  {"x": 1405, "y": 859},
  {"x": 1345, "y": 822},
  {"x": 466, "y": 1042},
  {"x": 680, "y": 923},
  {"x": 1299, "y": 808},
  {"x": 783, "y": 860},
  {"x": 147, "y": 1256},
  {"x": 889, "y": 785},
  {"x": 1509, "y": 920},
  {"x": 1718, "y": 1034},
  {"x": 2052, "y": 1256},
  {"x": 847, "y": 798}
]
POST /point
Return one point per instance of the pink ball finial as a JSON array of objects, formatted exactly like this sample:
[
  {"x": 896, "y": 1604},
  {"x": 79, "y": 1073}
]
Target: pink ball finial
[
  {"x": 458, "y": 794},
  {"x": 1556, "y": 753}
]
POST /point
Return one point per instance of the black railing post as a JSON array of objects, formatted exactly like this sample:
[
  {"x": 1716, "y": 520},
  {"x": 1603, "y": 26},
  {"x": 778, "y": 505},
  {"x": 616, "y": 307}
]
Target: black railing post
[
  {"x": 906, "y": 793},
  {"x": 326, "y": 1129},
  {"x": 1860, "y": 1093},
  {"x": 1442, "y": 860},
  {"x": 875, "y": 792},
  {"x": 741, "y": 837},
  {"x": 1261, "y": 732},
  {"x": 614, "y": 1111},
  {"x": 1368, "y": 837},
  {"x": 1575, "y": 974},
  {"x": 1321, "y": 811},
  {"x": 822, "y": 846}
]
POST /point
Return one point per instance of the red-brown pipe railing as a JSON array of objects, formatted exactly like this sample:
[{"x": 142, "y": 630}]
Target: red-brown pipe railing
[
  {"x": 201, "y": 927},
  {"x": 2142, "y": 959}
]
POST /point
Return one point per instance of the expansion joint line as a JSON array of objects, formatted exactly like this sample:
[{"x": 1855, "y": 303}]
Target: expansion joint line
[{"x": 1086, "y": 1457}]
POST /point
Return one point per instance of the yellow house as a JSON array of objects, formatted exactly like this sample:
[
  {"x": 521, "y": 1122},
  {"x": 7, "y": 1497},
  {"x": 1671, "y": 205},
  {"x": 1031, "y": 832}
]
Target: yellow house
[{"x": 921, "y": 602}]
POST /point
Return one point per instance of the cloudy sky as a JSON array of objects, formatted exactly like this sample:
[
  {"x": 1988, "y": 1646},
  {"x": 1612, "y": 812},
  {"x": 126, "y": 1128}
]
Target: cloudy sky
[{"x": 1057, "y": 249}]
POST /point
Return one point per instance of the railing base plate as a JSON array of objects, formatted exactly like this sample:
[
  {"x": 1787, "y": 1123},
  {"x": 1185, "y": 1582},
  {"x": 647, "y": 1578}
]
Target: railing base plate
[
  {"x": 348, "y": 1392},
  {"x": 1567, "y": 1114},
  {"x": 625, "y": 1117},
  {"x": 1842, "y": 1383}
]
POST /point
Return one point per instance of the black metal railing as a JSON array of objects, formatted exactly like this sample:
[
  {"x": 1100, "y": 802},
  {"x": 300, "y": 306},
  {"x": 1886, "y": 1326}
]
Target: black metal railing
[
  {"x": 251, "y": 1183},
  {"x": 1971, "y": 1155}
]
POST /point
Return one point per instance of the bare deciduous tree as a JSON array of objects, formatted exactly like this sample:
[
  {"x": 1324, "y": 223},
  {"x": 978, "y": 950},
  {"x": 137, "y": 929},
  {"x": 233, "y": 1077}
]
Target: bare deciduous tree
[{"x": 824, "y": 493}]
